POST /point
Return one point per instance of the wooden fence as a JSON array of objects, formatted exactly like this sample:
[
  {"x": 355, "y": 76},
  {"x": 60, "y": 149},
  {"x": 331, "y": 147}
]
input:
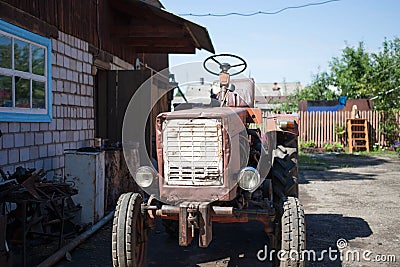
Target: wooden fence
[{"x": 319, "y": 127}]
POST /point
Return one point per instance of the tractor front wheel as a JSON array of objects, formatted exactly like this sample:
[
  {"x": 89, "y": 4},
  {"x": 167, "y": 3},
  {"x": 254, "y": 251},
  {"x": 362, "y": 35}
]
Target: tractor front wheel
[
  {"x": 129, "y": 235},
  {"x": 293, "y": 233}
]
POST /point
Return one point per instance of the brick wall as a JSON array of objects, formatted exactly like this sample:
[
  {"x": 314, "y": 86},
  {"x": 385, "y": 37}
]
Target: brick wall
[{"x": 41, "y": 145}]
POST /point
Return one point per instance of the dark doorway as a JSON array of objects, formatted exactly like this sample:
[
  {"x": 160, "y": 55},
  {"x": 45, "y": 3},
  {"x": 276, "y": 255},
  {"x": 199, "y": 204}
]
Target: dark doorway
[
  {"x": 113, "y": 94},
  {"x": 114, "y": 91}
]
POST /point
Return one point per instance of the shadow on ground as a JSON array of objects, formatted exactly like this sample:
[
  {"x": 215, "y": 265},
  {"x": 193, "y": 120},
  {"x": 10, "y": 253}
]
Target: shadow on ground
[
  {"x": 324, "y": 230},
  {"x": 232, "y": 245},
  {"x": 332, "y": 167}
]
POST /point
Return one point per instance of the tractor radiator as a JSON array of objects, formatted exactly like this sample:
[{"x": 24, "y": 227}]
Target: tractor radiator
[{"x": 193, "y": 152}]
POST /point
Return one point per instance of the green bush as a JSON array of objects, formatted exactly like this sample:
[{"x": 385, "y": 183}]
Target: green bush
[
  {"x": 309, "y": 144},
  {"x": 331, "y": 147}
]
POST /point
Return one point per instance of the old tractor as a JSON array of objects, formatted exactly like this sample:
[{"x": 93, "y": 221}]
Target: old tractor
[{"x": 213, "y": 167}]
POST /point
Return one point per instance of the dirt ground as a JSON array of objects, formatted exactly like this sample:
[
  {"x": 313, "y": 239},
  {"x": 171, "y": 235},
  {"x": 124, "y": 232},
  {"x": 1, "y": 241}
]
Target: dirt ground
[{"x": 354, "y": 199}]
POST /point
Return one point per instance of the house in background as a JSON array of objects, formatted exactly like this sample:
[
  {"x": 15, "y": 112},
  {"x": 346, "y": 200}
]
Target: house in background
[
  {"x": 60, "y": 61},
  {"x": 269, "y": 95}
]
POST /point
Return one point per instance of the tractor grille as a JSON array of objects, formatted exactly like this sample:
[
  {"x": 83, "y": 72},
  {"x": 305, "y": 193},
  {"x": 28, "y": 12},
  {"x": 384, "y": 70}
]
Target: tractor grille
[{"x": 193, "y": 152}]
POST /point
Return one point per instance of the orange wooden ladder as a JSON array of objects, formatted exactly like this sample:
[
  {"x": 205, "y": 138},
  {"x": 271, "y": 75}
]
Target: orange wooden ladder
[{"x": 357, "y": 132}]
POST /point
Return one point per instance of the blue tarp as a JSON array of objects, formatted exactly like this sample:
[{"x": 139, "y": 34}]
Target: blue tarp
[{"x": 341, "y": 103}]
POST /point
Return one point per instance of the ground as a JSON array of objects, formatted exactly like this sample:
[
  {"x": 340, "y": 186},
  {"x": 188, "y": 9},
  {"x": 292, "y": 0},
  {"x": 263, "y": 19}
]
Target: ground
[{"x": 351, "y": 198}]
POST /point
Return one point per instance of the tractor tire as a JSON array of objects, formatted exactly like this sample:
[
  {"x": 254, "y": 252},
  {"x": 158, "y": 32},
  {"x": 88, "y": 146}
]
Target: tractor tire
[
  {"x": 293, "y": 233},
  {"x": 129, "y": 236},
  {"x": 284, "y": 173}
]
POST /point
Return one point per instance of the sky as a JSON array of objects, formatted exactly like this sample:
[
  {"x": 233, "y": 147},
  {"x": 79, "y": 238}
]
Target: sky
[{"x": 295, "y": 44}]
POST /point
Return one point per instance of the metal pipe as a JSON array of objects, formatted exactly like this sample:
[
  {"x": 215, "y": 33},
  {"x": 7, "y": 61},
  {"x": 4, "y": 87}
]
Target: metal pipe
[{"x": 59, "y": 254}]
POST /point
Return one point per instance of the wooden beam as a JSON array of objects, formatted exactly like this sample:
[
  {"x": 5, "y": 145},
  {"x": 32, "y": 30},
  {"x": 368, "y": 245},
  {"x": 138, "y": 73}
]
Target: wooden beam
[
  {"x": 157, "y": 42},
  {"x": 166, "y": 50},
  {"x": 168, "y": 31},
  {"x": 27, "y": 21}
]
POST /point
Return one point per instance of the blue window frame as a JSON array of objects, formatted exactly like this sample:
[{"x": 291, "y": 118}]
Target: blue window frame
[{"x": 25, "y": 75}]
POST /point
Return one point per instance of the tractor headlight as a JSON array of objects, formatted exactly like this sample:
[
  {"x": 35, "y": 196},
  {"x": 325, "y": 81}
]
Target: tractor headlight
[
  {"x": 145, "y": 176},
  {"x": 249, "y": 179}
]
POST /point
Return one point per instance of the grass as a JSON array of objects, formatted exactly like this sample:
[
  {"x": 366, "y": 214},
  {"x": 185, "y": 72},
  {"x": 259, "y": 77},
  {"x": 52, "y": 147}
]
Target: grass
[{"x": 308, "y": 162}]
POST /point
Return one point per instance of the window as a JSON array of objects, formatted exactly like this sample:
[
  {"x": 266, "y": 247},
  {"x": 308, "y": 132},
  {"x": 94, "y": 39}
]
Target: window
[{"x": 25, "y": 75}]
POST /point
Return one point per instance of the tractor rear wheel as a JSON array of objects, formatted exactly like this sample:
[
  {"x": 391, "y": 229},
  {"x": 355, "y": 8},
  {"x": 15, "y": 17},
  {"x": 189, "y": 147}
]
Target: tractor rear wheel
[
  {"x": 129, "y": 236},
  {"x": 284, "y": 169}
]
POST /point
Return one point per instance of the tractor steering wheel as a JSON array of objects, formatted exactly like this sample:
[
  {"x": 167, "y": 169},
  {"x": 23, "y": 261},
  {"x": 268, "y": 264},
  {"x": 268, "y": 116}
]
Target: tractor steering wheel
[{"x": 225, "y": 67}]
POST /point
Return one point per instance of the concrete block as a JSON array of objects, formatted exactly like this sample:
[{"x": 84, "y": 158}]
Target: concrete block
[
  {"x": 8, "y": 140},
  {"x": 56, "y": 72},
  {"x": 51, "y": 150},
  {"x": 29, "y": 139},
  {"x": 4, "y": 127},
  {"x": 66, "y": 62},
  {"x": 24, "y": 154},
  {"x": 80, "y": 55},
  {"x": 76, "y": 136},
  {"x": 63, "y": 136},
  {"x": 78, "y": 100},
  {"x": 60, "y": 47},
  {"x": 75, "y": 76},
  {"x": 63, "y": 73},
  {"x": 14, "y": 127},
  {"x": 53, "y": 124},
  {"x": 73, "y": 87},
  {"x": 85, "y": 57},
  {"x": 38, "y": 164},
  {"x": 60, "y": 124},
  {"x": 64, "y": 99},
  {"x": 79, "y": 66},
  {"x": 82, "y": 135},
  {"x": 73, "y": 145},
  {"x": 43, "y": 151},
  {"x": 67, "y": 124},
  {"x": 44, "y": 126},
  {"x": 74, "y": 53},
  {"x": 71, "y": 100},
  {"x": 13, "y": 156},
  {"x": 48, "y": 137},
  {"x": 70, "y": 136},
  {"x": 3, "y": 157},
  {"x": 65, "y": 146},
  {"x": 48, "y": 165},
  {"x": 35, "y": 126},
  {"x": 60, "y": 61},
  {"x": 72, "y": 64},
  {"x": 69, "y": 75},
  {"x": 54, "y": 44},
  {"x": 25, "y": 127},
  {"x": 56, "y": 136},
  {"x": 60, "y": 87},
  {"x": 73, "y": 124},
  {"x": 59, "y": 149},
  {"x": 19, "y": 140},
  {"x": 79, "y": 124},
  {"x": 67, "y": 50},
  {"x": 38, "y": 138},
  {"x": 34, "y": 152}
]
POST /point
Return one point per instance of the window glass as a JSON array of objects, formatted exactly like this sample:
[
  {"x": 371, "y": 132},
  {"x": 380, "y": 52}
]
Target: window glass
[
  {"x": 5, "y": 52},
  {"x": 21, "y": 55},
  {"x": 5, "y": 91},
  {"x": 38, "y": 95},
  {"x": 22, "y": 92},
  {"x": 38, "y": 60}
]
